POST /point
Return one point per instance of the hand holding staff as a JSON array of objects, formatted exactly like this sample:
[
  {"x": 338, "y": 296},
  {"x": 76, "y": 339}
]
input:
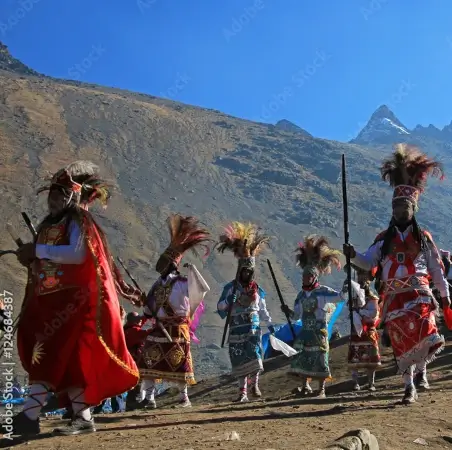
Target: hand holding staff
[
  {"x": 231, "y": 306},
  {"x": 154, "y": 313},
  {"x": 347, "y": 239},
  {"x": 281, "y": 299}
]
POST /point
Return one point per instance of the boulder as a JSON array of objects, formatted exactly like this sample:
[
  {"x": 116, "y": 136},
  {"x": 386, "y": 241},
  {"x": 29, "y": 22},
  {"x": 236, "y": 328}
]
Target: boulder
[{"x": 355, "y": 440}]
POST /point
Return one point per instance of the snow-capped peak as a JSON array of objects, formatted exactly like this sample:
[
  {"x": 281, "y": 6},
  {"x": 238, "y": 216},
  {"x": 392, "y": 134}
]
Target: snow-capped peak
[
  {"x": 383, "y": 126},
  {"x": 389, "y": 122}
]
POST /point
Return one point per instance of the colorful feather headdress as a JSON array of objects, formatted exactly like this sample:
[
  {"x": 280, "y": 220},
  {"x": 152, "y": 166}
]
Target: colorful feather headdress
[
  {"x": 316, "y": 255},
  {"x": 81, "y": 179},
  {"x": 185, "y": 233},
  {"x": 245, "y": 241},
  {"x": 407, "y": 171}
]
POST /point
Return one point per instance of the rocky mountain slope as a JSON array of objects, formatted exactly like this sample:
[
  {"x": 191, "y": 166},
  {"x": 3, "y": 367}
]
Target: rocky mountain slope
[{"x": 169, "y": 157}]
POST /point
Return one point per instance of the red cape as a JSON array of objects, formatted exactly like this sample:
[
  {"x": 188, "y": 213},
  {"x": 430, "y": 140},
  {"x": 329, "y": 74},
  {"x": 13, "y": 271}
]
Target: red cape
[{"x": 74, "y": 337}]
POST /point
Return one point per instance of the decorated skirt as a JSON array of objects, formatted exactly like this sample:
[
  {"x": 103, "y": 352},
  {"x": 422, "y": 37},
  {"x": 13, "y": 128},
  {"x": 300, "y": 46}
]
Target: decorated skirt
[
  {"x": 245, "y": 347},
  {"x": 313, "y": 347},
  {"x": 411, "y": 325},
  {"x": 168, "y": 361},
  {"x": 364, "y": 351}
]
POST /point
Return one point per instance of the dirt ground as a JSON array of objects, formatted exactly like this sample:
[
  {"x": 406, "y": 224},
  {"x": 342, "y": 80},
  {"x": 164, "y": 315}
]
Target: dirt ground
[{"x": 280, "y": 420}]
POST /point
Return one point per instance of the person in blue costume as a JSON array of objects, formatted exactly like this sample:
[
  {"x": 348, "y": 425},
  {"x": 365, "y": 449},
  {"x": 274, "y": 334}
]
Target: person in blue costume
[
  {"x": 314, "y": 305},
  {"x": 249, "y": 308}
]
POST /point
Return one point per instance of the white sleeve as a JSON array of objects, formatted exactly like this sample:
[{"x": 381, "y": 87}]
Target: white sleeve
[
  {"x": 264, "y": 315},
  {"x": 74, "y": 253},
  {"x": 370, "y": 258},
  {"x": 435, "y": 270}
]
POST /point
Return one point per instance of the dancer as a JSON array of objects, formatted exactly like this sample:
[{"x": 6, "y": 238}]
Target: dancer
[
  {"x": 364, "y": 351},
  {"x": 315, "y": 306},
  {"x": 407, "y": 257},
  {"x": 247, "y": 300},
  {"x": 70, "y": 337},
  {"x": 175, "y": 299}
]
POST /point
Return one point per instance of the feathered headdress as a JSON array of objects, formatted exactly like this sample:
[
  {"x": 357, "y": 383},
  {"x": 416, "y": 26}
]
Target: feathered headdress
[
  {"x": 185, "y": 233},
  {"x": 82, "y": 181},
  {"x": 407, "y": 171},
  {"x": 315, "y": 255},
  {"x": 245, "y": 241}
]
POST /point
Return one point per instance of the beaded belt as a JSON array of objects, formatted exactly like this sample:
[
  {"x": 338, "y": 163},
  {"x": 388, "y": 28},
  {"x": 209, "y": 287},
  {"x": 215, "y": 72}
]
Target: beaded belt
[{"x": 406, "y": 284}]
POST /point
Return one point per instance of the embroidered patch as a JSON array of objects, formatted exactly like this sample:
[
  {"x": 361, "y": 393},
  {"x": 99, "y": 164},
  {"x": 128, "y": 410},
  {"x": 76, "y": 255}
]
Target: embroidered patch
[
  {"x": 38, "y": 353},
  {"x": 400, "y": 257}
]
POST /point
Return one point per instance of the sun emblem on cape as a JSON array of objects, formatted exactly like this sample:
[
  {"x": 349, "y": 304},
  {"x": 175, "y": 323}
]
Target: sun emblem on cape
[{"x": 38, "y": 353}]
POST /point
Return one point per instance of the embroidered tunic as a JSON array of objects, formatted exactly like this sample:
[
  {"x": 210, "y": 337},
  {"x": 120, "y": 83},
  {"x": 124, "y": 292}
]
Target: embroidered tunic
[
  {"x": 245, "y": 334},
  {"x": 364, "y": 351},
  {"x": 171, "y": 299},
  {"x": 409, "y": 305},
  {"x": 315, "y": 309}
]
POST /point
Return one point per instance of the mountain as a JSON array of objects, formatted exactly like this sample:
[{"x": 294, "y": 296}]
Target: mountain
[
  {"x": 286, "y": 125},
  {"x": 168, "y": 157},
  {"x": 383, "y": 127},
  {"x": 9, "y": 63}
]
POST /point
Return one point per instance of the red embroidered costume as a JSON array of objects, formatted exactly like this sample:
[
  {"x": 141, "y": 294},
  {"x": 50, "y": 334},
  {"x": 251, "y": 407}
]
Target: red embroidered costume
[
  {"x": 70, "y": 335},
  {"x": 407, "y": 257}
]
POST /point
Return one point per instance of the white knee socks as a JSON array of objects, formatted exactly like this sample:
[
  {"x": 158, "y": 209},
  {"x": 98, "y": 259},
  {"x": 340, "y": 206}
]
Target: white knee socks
[
  {"x": 254, "y": 379},
  {"x": 79, "y": 407},
  {"x": 36, "y": 400},
  {"x": 243, "y": 384},
  {"x": 147, "y": 390},
  {"x": 408, "y": 376},
  {"x": 421, "y": 367},
  {"x": 183, "y": 392}
]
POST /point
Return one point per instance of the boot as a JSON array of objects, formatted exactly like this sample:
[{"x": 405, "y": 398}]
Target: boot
[
  {"x": 371, "y": 381},
  {"x": 322, "y": 393},
  {"x": 76, "y": 427},
  {"x": 23, "y": 426},
  {"x": 184, "y": 403},
  {"x": 256, "y": 391},
  {"x": 410, "y": 395},
  {"x": 148, "y": 404},
  {"x": 421, "y": 382},
  {"x": 242, "y": 398},
  {"x": 305, "y": 389}
]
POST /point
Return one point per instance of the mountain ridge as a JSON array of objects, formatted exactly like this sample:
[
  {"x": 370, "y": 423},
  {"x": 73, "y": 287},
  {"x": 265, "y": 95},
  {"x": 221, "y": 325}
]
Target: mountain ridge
[{"x": 168, "y": 157}]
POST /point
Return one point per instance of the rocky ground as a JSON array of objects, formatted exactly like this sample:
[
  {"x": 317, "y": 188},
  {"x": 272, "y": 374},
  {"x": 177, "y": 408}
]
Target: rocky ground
[{"x": 280, "y": 420}]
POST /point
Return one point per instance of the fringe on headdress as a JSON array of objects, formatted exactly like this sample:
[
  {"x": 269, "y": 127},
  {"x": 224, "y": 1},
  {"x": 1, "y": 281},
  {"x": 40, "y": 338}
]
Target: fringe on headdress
[
  {"x": 243, "y": 240},
  {"x": 83, "y": 179},
  {"x": 315, "y": 252},
  {"x": 407, "y": 170},
  {"x": 186, "y": 233}
]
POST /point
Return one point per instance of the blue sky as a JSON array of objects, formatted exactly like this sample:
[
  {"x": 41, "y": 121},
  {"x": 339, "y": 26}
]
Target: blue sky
[{"x": 326, "y": 65}]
